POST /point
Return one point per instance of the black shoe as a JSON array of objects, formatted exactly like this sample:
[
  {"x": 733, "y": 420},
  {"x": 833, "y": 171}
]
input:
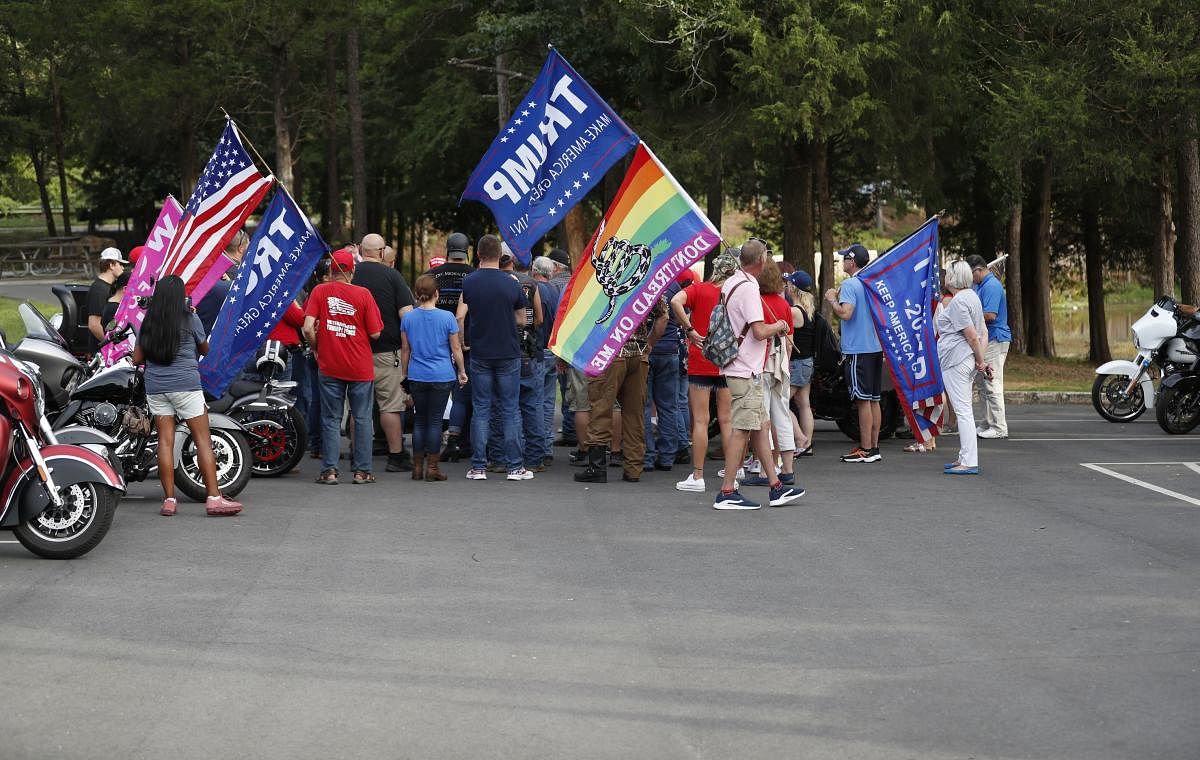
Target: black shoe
[
  {"x": 628, "y": 479},
  {"x": 578, "y": 458},
  {"x": 806, "y": 453},
  {"x": 401, "y": 462},
  {"x": 451, "y": 452},
  {"x": 616, "y": 459},
  {"x": 547, "y": 461},
  {"x": 683, "y": 457},
  {"x": 663, "y": 466},
  {"x": 564, "y": 441},
  {"x": 595, "y": 472}
]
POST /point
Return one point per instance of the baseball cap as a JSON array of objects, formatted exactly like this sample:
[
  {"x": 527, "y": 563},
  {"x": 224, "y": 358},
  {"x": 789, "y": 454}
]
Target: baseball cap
[
  {"x": 456, "y": 246},
  {"x": 112, "y": 254},
  {"x": 801, "y": 279},
  {"x": 506, "y": 253},
  {"x": 560, "y": 256},
  {"x": 857, "y": 252},
  {"x": 343, "y": 260},
  {"x": 135, "y": 253}
]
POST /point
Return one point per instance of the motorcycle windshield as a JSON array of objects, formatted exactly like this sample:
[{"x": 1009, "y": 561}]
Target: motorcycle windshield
[{"x": 38, "y": 327}]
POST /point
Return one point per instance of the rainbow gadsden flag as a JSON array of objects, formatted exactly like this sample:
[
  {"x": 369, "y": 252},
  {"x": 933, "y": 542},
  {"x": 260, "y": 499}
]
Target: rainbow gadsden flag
[{"x": 652, "y": 231}]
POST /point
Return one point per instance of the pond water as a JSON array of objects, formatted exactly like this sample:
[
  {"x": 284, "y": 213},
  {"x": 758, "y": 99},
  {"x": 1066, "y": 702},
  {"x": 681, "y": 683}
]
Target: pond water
[{"x": 1071, "y": 328}]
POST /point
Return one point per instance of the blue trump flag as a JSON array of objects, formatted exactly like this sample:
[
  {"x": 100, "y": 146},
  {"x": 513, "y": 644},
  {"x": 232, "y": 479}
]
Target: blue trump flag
[
  {"x": 902, "y": 286},
  {"x": 282, "y": 254},
  {"x": 557, "y": 146}
]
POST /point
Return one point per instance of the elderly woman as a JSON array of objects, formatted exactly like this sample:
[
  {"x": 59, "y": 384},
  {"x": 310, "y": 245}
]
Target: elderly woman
[{"x": 962, "y": 339}]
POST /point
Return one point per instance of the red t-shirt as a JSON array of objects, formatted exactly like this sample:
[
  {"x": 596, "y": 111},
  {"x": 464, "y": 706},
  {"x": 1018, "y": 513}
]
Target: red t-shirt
[
  {"x": 346, "y": 316},
  {"x": 287, "y": 330},
  {"x": 775, "y": 308},
  {"x": 702, "y": 297}
]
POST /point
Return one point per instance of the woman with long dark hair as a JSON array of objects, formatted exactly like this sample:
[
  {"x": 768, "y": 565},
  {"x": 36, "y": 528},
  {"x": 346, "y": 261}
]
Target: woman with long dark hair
[{"x": 170, "y": 343}]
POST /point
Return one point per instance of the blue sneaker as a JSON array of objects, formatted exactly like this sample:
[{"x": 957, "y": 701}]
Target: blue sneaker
[
  {"x": 962, "y": 469},
  {"x": 949, "y": 465},
  {"x": 785, "y": 495},
  {"x": 787, "y": 478},
  {"x": 734, "y": 501},
  {"x": 756, "y": 480}
]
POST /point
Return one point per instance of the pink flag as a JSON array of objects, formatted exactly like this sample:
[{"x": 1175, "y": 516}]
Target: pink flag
[
  {"x": 145, "y": 273},
  {"x": 219, "y": 267}
]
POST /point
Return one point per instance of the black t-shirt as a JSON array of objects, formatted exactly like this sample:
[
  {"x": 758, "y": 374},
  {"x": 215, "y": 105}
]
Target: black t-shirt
[
  {"x": 527, "y": 334},
  {"x": 491, "y": 297},
  {"x": 449, "y": 277},
  {"x": 391, "y": 294},
  {"x": 97, "y": 298}
]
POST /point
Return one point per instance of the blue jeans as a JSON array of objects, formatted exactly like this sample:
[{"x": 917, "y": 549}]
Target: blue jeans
[
  {"x": 549, "y": 396},
  {"x": 460, "y": 413},
  {"x": 533, "y": 427},
  {"x": 495, "y": 383},
  {"x": 662, "y": 387},
  {"x": 429, "y": 403},
  {"x": 312, "y": 415},
  {"x": 362, "y": 397},
  {"x": 568, "y": 417}
]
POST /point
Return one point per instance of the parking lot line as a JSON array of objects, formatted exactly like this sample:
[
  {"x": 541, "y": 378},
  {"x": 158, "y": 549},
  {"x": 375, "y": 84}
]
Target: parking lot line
[
  {"x": 1164, "y": 439},
  {"x": 1149, "y": 486}
]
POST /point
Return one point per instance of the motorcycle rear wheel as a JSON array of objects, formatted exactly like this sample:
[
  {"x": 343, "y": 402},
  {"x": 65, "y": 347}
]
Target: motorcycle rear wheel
[
  {"x": 1178, "y": 411},
  {"x": 75, "y": 528},
  {"x": 277, "y": 439},
  {"x": 234, "y": 465},
  {"x": 890, "y": 418},
  {"x": 1110, "y": 401}
]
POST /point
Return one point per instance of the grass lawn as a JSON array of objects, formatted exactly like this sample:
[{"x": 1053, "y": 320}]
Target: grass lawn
[
  {"x": 10, "y": 321},
  {"x": 1027, "y": 373}
]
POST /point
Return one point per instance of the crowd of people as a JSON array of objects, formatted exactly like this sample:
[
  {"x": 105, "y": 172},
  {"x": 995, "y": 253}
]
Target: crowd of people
[{"x": 368, "y": 349}]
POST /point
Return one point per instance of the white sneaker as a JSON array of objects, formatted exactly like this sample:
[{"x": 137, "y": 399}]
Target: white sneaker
[
  {"x": 474, "y": 474},
  {"x": 752, "y": 466},
  {"x": 690, "y": 483},
  {"x": 741, "y": 473},
  {"x": 520, "y": 474},
  {"x": 991, "y": 433}
]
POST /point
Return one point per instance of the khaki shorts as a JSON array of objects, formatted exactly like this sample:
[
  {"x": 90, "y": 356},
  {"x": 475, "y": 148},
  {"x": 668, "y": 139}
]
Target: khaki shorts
[
  {"x": 388, "y": 393},
  {"x": 577, "y": 391},
  {"x": 747, "y": 402}
]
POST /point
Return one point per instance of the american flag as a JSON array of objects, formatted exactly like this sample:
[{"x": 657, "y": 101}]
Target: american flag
[{"x": 228, "y": 191}]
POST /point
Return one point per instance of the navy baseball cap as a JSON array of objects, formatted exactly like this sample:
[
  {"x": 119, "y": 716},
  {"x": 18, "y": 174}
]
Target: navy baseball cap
[
  {"x": 801, "y": 279},
  {"x": 856, "y": 251}
]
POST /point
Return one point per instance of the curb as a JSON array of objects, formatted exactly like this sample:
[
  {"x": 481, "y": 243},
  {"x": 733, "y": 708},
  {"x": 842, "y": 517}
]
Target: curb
[{"x": 1047, "y": 397}]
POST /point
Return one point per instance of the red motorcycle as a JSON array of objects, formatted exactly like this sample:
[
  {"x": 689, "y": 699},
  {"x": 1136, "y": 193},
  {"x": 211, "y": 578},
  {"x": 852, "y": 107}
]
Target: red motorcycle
[{"x": 58, "y": 498}]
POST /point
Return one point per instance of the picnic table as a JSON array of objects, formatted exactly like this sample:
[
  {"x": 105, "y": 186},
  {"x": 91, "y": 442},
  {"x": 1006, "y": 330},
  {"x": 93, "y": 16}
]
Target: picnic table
[{"x": 51, "y": 256}]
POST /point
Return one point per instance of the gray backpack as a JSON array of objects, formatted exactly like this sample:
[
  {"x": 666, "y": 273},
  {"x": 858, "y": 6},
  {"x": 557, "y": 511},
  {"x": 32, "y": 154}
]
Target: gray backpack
[{"x": 721, "y": 344}]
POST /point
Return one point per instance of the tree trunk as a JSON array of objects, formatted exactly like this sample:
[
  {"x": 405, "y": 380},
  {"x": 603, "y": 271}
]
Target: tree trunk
[
  {"x": 1093, "y": 253},
  {"x": 503, "y": 98},
  {"x": 1163, "y": 268},
  {"x": 333, "y": 192},
  {"x": 1012, "y": 268},
  {"x": 714, "y": 202},
  {"x": 283, "y": 134},
  {"x": 825, "y": 212},
  {"x": 797, "y": 206},
  {"x": 358, "y": 151},
  {"x": 189, "y": 171},
  {"x": 984, "y": 213},
  {"x": 56, "y": 95},
  {"x": 577, "y": 236},
  {"x": 1041, "y": 322},
  {"x": 1189, "y": 212},
  {"x": 35, "y": 154}
]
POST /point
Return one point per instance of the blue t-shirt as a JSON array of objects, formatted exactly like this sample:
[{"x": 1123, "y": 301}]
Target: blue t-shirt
[
  {"x": 210, "y": 306},
  {"x": 428, "y": 332},
  {"x": 669, "y": 342},
  {"x": 492, "y": 296},
  {"x": 549, "y": 295},
  {"x": 183, "y": 374},
  {"x": 992, "y": 296},
  {"x": 858, "y": 332}
]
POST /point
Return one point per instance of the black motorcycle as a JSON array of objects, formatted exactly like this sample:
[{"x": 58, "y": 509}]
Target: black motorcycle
[
  {"x": 1177, "y": 407},
  {"x": 266, "y": 408},
  {"x": 829, "y": 398},
  {"x": 113, "y": 401}
]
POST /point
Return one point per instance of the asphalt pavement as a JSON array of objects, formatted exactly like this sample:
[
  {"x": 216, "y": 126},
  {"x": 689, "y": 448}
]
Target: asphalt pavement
[{"x": 1047, "y": 608}]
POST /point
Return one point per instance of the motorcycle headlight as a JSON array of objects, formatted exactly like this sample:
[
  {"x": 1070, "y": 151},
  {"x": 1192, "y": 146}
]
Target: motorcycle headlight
[{"x": 39, "y": 393}]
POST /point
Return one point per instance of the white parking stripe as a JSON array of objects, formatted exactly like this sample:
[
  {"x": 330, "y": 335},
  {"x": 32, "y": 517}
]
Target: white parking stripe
[
  {"x": 1193, "y": 466},
  {"x": 1142, "y": 483},
  {"x": 1163, "y": 438}
]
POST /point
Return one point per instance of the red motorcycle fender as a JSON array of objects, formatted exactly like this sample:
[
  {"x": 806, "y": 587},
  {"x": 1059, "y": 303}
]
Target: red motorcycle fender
[{"x": 68, "y": 465}]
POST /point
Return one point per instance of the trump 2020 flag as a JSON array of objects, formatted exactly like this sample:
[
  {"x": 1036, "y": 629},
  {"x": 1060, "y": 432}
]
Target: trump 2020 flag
[
  {"x": 556, "y": 147},
  {"x": 228, "y": 191},
  {"x": 902, "y": 285},
  {"x": 652, "y": 231},
  {"x": 282, "y": 254}
]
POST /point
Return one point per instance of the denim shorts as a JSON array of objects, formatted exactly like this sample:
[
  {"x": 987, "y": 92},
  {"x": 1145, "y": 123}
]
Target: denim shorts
[
  {"x": 802, "y": 370},
  {"x": 182, "y": 404}
]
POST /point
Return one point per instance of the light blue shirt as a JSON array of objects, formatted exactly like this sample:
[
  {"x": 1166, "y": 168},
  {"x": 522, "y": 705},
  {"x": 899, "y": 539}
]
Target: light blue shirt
[
  {"x": 992, "y": 296},
  {"x": 429, "y": 332},
  {"x": 858, "y": 332}
]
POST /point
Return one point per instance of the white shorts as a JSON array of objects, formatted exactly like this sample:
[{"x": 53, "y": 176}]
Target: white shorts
[{"x": 182, "y": 404}]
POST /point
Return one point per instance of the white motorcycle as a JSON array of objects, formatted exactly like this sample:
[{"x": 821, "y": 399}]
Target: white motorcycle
[{"x": 1123, "y": 390}]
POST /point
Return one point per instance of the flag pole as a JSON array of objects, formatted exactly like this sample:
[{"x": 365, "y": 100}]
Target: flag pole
[{"x": 250, "y": 145}]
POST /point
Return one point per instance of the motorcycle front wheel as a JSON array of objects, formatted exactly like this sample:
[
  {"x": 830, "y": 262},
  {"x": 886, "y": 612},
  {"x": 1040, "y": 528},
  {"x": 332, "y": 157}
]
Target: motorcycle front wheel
[
  {"x": 1108, "y": 396},
  {"x": 73, "y": 529},
  {"x": 1178, "y": 411},
  {"x": 277, "y": 439},
  {"x": 234, "y": 462}
]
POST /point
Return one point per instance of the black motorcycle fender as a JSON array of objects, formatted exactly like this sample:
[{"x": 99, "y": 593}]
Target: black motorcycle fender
[
  {"x": 1181, "y": 381},
  {"x": 79, "y": 435},
  {"x": 68, "y": 465}
]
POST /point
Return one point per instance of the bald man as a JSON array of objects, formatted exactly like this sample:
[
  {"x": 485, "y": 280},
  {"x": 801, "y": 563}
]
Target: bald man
[{"x": 394, "y": 299}]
